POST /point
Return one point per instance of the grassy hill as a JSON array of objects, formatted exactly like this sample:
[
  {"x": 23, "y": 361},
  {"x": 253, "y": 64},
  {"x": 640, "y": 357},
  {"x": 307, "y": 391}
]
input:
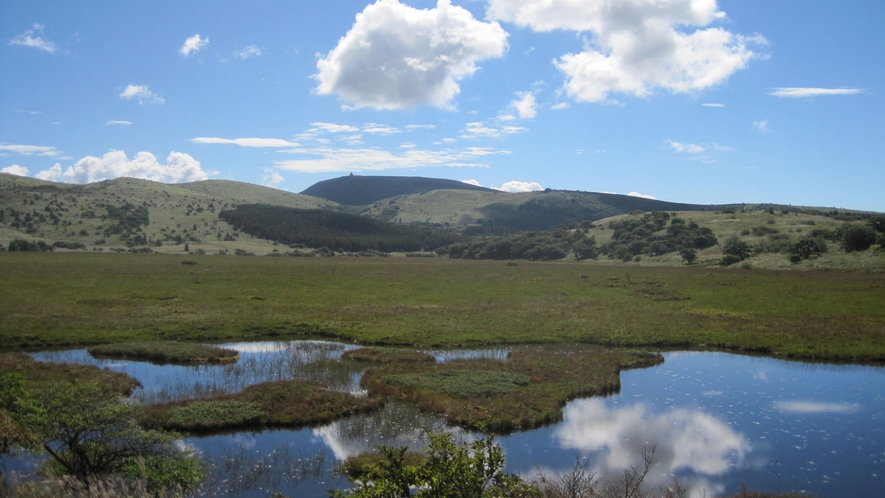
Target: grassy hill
[
  {"x": 178, "y": 214},
  {"x": 363, "y": 190}
]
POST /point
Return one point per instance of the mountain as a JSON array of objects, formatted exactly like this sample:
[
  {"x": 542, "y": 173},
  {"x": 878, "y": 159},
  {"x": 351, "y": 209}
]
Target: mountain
[{"x": 363, "y": 190}]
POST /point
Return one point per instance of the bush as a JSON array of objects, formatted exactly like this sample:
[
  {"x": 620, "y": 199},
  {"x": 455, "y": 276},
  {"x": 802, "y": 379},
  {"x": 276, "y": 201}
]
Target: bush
[
  {"x": 737, "y": 248},
  {"x": 805, "y": 248},
  {"x": 857, "y": 238},
  {"x": 729, "y": 259}
]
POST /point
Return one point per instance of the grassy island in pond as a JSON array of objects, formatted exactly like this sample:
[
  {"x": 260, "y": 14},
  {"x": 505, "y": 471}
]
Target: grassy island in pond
[
  {"x": 526, "y": 390},
  {"x": 289, "y": 403},
  {"x": 181, "y": 353}
]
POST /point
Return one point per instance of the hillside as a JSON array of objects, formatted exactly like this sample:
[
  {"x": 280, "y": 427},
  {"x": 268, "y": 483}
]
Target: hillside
[
  {"x": 81, "y": 215},
  {"x": 363, "y": 190}
]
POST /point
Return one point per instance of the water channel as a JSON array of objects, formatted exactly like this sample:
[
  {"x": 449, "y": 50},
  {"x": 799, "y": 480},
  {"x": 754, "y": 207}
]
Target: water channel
[{"x": 716, "y": 421}]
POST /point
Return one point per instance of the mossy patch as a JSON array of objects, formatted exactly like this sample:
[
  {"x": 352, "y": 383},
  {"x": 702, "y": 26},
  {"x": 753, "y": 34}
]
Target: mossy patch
[{"x": 163, "y": 352}]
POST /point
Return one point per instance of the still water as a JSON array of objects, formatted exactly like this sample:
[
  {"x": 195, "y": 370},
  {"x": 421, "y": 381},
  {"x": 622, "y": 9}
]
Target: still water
[{"x": 715, "y": 420}]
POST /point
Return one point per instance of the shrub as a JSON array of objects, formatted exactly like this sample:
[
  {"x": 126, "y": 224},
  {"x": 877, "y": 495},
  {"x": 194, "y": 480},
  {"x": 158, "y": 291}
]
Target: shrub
[
  {"x": 729, "y": 259},
  {"x": 857, "y": 238},
  {"x": 736, "y": 247}
]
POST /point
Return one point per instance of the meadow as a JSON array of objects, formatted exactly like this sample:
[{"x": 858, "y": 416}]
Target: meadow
[{"x": 77, "y": 299}]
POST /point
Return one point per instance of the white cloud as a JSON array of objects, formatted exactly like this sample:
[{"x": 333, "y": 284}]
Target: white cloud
[
  {"x": 30, "y": 150},
  {"x": 801, "y": 93},
  {"x": 412, "y": 127},
  {"x": 407, "y": 145},
  {"x": 525, "y": 106},
  {"x": 15, "y": 169},
  {"x": 637, "y": 194},
  {"x": 270, "y": 178},
  {"x": 246, "y": 142},
  {"x": 713, "y": 105},
  {"x": 560, "y": 106},
  {"x": 511, "y": 186},
  {"x": 327, "y": 159},
  {"x": 179, "y": 168},
  {"x": 118, "y": 123},
  {"x": 761, "y": 125},
  {"x": 52, "y": 174},
  {"x": 814, "y": 407},
  {"x": 688, "y": 148},
  {"x": 250, "y": 51},
  {"x": 141, "y": 93},
  {"x": 333, "y": 128},
  {"x": 379, "y": 129},
  {"x": 193, "y": 44},
  {"x": 397, "y": 57},
  {"x": 27, "y": 40},
  {"x": 636, "y": 46},
  {"x": 479, "y": 129}
]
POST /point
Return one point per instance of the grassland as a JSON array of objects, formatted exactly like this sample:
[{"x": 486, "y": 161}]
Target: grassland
[
  {"x": 77, "y": 299},
  {"x": 41, "y": 374}
]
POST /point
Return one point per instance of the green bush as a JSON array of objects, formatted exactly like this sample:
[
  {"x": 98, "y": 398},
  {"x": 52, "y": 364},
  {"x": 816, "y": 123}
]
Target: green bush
[
  {"x": 729, "y": 259},
  {"x": 857, "y": 238},
  {"x": 737, "y": 248}
]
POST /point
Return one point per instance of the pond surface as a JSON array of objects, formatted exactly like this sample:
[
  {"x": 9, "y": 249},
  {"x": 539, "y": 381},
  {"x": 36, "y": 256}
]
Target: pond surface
[{"x": 716, "y": 421}]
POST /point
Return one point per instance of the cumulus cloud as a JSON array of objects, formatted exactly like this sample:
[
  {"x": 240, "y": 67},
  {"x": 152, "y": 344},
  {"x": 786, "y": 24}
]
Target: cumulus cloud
[
  {"x": 250, "y": 51},
  {"x": 27, "y": 39},
  {"x": 246, "y": 142},
  {"x": 525, "y": 105},
  {"x": 142, "y": 93},
  {"x": 801, "y": 93},
  {"x": 179, "y": 167},
  {"x": 193, "y": 44},
  {"x": 511, "y": 186},
  {"x": 636, "y": 46},
  {"x": 687, "y": 148},
  {"x": 560, "y": 106},
  {"x": 118, "y": 123},
  {"x": 271, "y": 178},
  {"x": 52, "y": 174},
  {"x": 397, "y": 57},
  {"x": 16, "y": 170},
  {"x": 327, "y": 159},
  {"x": 637, "y": 194},
  {"x": 30, "y": 150}
]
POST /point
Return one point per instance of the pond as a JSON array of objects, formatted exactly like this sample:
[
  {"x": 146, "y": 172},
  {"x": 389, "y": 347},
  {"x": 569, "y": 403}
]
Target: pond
[{"x": 716, "y": 421}]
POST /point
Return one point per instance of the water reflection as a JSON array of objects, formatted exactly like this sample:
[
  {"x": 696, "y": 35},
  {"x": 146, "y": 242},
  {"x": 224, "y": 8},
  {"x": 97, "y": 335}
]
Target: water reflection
[
  {"x": 259, "y": 362},
  {"x": 684, "y": 439}
]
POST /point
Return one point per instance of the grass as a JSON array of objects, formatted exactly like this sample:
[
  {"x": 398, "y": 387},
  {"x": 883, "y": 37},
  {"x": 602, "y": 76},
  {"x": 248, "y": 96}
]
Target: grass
[
  {"x": 387, "y": 355},
  {"x": 289, "y": 403},
  {"x": 527, "y": 390},
  {"x": 163, "y": 352},
  {"x": 76, "y": 299},
  {"x": 39, "y": 374}
]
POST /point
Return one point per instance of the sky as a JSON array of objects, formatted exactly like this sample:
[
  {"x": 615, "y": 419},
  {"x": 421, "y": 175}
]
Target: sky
[{"x": 698, "y": 101}]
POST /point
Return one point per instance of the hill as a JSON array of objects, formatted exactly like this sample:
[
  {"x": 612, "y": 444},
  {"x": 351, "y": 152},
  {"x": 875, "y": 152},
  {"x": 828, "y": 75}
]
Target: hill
[
  {"x": 363, "y": 190},
  {"x": 108, "y": 215}
]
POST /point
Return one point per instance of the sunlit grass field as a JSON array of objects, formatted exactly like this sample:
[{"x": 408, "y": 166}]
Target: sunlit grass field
[{"x": 64, "y": 299}]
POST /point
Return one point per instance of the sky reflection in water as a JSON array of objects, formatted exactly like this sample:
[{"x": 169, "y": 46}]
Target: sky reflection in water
[{"x": 717, "y": 420}]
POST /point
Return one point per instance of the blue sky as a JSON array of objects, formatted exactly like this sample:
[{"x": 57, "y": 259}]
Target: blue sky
[{"x": 683, "y": 100}]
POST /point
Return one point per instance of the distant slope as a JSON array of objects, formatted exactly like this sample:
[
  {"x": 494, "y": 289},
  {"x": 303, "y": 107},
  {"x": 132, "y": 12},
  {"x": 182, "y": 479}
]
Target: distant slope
[
  {"x": 60, "y": 212},
  {"x": 364, "y": 190}
]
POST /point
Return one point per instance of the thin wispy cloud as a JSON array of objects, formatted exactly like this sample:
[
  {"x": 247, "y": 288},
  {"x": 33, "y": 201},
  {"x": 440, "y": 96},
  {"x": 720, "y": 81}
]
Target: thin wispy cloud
[
  {"x": 27, "y": 39},
  {"x": 192, "y": 45},
  {"x": 328, "y": 159},
  {"x": 710, "y": 104},
  {"x": 115, "y": 122},
  {"x": 30, "y": 150},
  {"x": 804, "y": 93},
  {"x": 761, "y": 126},
  {"x": 687, "y": 148},
  {"x": 142, "y": 94},
  {"x": 246, "y": 142},
  {"x": 250, "y": 51}
]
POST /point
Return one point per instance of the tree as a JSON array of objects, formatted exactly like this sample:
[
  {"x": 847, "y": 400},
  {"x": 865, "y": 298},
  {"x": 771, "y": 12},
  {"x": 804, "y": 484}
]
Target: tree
[
  {"x": 186, "y": 248},
  {"x": 689, "y": 255},
  {"x": 90, "y": 432}
]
